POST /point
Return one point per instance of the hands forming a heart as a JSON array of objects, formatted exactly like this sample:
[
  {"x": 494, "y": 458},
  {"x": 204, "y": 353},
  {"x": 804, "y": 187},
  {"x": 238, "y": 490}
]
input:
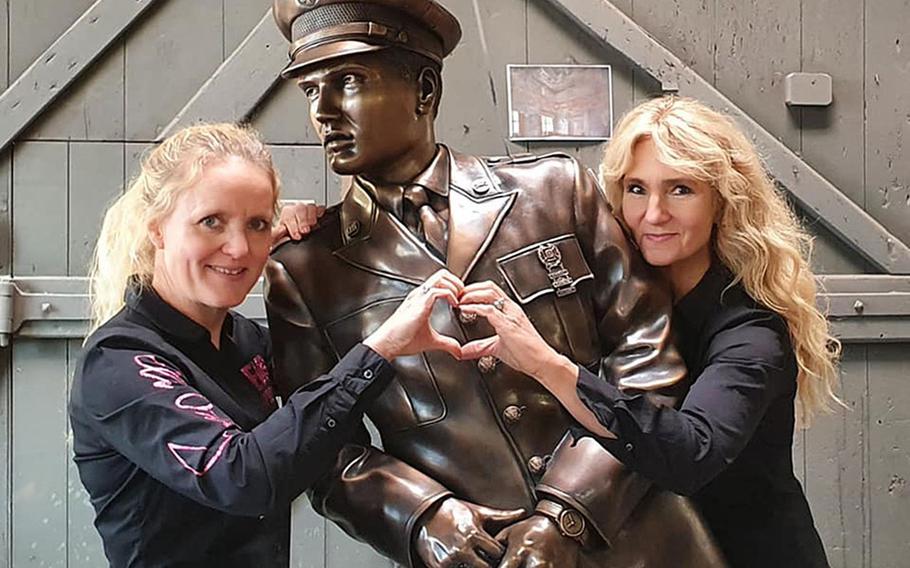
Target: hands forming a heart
[{"x": 408, "y": 331}]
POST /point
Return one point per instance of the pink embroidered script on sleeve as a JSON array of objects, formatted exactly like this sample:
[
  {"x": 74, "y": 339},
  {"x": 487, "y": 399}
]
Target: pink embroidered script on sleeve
[
  {"x": 165, "y": 377},
  {"x": 179, "y": 450}
]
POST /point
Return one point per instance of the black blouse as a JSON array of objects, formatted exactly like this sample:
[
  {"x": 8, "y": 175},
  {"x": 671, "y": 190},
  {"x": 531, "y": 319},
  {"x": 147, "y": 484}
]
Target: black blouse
[
  {"x": 182, "y": 447},
  {"x": 729, "y": 445}
]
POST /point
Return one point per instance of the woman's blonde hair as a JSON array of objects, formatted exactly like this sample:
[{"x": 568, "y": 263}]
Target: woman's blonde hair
[
  {"x": 124, "y": 251},
  {"x": 757, "y": 236}
]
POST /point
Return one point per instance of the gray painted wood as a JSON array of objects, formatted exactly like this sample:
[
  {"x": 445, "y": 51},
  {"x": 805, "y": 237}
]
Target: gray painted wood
[
  {"x": 39, "y": 454},
  {"x": 84, "y": 548},
  {"x": 750, "y": 75},
  {"x": 167, "y": 59},
  {"x": 307, "y": 536},
  {"x": 65, "y": 60},
  {"x": 240, "y": 83},
  {"x": 835, "y": 478},
  {"x": 684, "y": 27},
  {"x": 133, "y": 156},
  {"x": 35, "y": 25},
  {"x": 284, "y": 117},
  {"x": 888, "y": 431},
  {"x": 91, "y": 108},
  {"x": 887, "y": 136},
  {"x": 468, "y": 117},
  {"x": 95, "y": 178},
  {"x": 39, "y": 197},
  {"x": 239, "y": 19},
  {"x": 5, "y": 448},
  {"x": 832, "y": 137},
  {"x": 341, "y": 551},
  {"x": 302, "y": 171},
  {"x": 6, "y": 192},
  {"x": 4, "y": 43}
]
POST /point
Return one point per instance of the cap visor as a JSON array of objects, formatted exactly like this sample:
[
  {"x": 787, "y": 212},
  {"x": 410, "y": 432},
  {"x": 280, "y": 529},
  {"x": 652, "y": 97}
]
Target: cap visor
[{"x": 318, "y": 54}]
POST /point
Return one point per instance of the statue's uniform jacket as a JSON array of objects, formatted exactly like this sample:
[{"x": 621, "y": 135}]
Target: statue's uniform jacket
[{"x": 489, "y": 436}]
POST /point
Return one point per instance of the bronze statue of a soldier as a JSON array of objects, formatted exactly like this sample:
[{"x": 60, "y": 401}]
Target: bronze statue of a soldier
[{"x": 469, "y": 448}]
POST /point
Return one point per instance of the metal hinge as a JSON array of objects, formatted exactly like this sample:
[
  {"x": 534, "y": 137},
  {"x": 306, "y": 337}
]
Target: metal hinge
[{"x": 43, "y": 307}]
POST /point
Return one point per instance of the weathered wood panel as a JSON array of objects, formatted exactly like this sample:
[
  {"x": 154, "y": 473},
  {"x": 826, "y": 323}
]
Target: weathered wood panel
[
  {"x": 302, "y": 170},
  {"x": 34, "y": 25},
  {"x": 167, "y": 59},
  {"x": 39, "y": 454},
  {"x": 5, "y": 455},
  {"x": 307, "y": 536},
  {"x": 887, "y": 138},
  {"x": 95, "y": 178},
  {"x": 39, "y": 195},
  {"x": 888, "y": 431},
  {"x": 835, "y": 480},
  {"x": 6, "y": 193},
  {"x": 473, "y": 114}
]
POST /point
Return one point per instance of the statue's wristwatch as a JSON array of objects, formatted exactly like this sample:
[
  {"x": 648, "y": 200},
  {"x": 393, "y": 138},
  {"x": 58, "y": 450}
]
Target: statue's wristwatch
[{"x": 570, "y": 522}]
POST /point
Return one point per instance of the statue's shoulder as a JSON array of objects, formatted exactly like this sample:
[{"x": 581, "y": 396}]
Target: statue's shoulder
[
  {"x": 324, "y": 236},
  {"x": 527, "y": 159}
]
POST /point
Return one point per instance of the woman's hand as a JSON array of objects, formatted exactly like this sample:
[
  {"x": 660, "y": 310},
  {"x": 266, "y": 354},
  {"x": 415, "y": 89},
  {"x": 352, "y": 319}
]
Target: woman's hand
[
  {"x": 516, "y": 343},
  {"x": 297, "y": 218},
  {"x": 408, "y": 330}
]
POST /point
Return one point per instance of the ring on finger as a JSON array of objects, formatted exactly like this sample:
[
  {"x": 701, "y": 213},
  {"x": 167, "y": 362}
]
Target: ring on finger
[
  {"x": 500, "y": 304},
  {"x": 425, "y": 289}
]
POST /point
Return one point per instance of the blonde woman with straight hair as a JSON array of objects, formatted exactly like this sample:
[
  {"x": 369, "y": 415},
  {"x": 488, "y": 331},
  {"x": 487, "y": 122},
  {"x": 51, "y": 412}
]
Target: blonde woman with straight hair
[
  {"x": 696, "y": 199},
  {"x": 180, "y": 438}
]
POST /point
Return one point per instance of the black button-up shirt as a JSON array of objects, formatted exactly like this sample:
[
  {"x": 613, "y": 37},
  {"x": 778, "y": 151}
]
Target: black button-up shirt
[
  {"x": 182, "y": 447},
  {"x": 730, "y": 443}
]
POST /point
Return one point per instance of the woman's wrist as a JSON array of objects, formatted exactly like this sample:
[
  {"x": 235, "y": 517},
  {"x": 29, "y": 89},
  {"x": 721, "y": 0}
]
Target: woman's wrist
[
  {"x": 555, "y": 369},
  {"x": 379, "y": 346}
]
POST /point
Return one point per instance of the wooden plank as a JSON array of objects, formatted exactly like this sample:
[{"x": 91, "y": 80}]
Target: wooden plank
[
  {"x": 341, "y": 551},
  {"x": 888, "y": 431},
  {"x": 35, "y": 25},
  {"x": 6, "y": 192},
  {"x": 84, "y": 548},
  {"x": 302, "y": 171},
  {"x": 835, "y": 466},
  {"x": 58, "y": 66},
  {"x": 133, "y": 154},
  {"x": 481, "y": 126},
  {"x": 832, "y": 38},
  {"x": 307, "y": 536},
  {"x": 92, "y": 108},
  {"x": 5, "y": 462},
  {"x": 815, "y": 194},
  {"x": 240, "y": 83},
  {"x": 284, "y": 117},
  {"x": 685, "y": 27},
  {"x": 167, "y": 59},
  {"x": 887, "y": 134},
  {"x": 757, "y": 45},
  {"x": 39, "y": 194},
  {"x": 96, "y": 177},
  {"x": 239, "y": 19},
  {"x": 552, "y": 40},
  {"x": 4, "y": 46},
  {"x": 39, "y": 454}
]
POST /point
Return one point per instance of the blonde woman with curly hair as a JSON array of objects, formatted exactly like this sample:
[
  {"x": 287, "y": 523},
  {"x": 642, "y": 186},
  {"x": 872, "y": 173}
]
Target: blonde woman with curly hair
[
  {"x": 188, "y": 455},
  {"x": 696, "y": 199}
]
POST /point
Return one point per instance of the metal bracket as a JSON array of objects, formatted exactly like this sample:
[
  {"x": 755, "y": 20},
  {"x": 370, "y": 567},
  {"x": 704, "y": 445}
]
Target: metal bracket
[{"x": 43, "y": 307}]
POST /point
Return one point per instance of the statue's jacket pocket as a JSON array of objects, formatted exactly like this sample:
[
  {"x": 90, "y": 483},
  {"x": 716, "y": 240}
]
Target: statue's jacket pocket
[
  {"x": 413, "y": 399},
  {"x": 552, "y": 280}
]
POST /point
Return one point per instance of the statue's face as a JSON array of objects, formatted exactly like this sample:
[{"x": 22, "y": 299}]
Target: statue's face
[{"x": 365, "y": 112}]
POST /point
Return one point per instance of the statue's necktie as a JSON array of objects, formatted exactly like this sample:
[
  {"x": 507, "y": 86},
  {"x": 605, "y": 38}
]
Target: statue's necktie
[{"x": 424, "y": 221}]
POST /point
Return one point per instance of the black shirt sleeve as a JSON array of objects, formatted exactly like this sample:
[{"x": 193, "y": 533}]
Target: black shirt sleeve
[
  {"x": 142, "y": 406},
  {"x": 749, "y": 363}
]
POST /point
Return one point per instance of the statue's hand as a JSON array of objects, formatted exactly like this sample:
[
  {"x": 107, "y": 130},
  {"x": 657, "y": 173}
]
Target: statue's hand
[
  {"x": 296, "y": 219},
  {"x": 458, "y": 535},
  {"x": 536, "y": 542}
]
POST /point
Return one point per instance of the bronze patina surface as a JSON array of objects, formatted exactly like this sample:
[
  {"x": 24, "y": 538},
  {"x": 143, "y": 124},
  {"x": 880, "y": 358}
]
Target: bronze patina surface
[{"x": 469, "y": 447}]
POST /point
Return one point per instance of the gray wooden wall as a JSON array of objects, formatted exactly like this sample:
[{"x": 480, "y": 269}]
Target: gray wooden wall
[{"x": 56, "y": 178}]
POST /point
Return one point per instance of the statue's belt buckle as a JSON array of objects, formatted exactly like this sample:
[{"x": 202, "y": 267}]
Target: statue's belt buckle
[{"x": 560, "y": 279}]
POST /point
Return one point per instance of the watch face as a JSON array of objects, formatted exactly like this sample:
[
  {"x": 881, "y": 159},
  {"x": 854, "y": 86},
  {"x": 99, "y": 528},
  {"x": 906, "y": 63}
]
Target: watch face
[{"x": 572, "y": 523}]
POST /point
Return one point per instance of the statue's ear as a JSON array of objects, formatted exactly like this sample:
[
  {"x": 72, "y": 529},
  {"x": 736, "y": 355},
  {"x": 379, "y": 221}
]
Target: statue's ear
[{"x": 430, "y": 88}]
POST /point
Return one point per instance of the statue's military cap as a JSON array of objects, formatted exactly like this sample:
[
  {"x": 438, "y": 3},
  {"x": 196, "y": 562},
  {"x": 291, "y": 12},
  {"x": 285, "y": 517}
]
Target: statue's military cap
[{"x": 324, "y": 29}]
